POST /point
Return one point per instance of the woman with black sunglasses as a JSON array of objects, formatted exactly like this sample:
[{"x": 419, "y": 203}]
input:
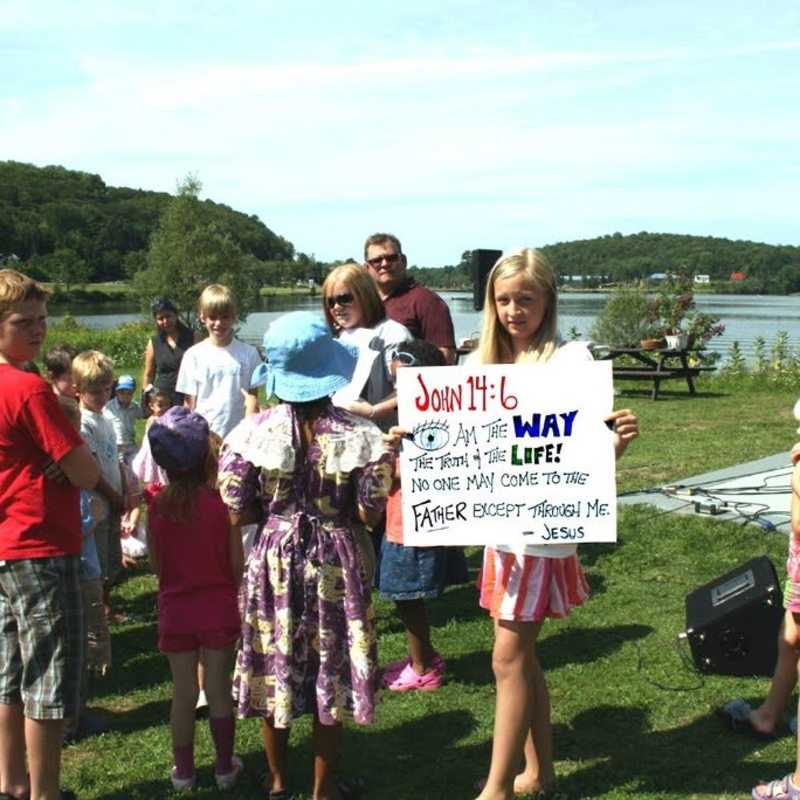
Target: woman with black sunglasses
[{"x": 355, "y": 313}]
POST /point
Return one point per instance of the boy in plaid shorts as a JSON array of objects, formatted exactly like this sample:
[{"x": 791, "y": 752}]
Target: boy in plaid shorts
[{"x": 40, "y": 544}]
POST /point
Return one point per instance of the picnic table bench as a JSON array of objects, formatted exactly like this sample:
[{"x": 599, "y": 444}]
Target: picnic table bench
[{"x": 653, "y": 365}]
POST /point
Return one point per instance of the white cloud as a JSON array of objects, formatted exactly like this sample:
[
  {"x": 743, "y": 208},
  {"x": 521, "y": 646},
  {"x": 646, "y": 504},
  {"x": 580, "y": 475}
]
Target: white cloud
[{"x": 479, "y": 140}]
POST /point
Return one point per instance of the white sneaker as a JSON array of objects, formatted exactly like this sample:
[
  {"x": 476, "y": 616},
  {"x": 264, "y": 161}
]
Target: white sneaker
[
  {"x": 182, "y": 784},
  {"x": 202, "y": 700},
  {"x": 228, "y": 779}
]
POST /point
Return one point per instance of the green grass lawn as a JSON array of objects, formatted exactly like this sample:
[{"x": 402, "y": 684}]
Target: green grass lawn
[{"x": 630, "y": 719}]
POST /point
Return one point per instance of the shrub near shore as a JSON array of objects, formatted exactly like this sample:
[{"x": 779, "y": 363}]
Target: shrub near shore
[{"x": 124, "y": 345}]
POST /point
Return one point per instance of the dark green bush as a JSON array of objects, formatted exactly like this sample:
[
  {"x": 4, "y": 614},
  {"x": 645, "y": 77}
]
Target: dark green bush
[
  {"x": 124, "y": 344},
  {"x": 623, "y": 322}
]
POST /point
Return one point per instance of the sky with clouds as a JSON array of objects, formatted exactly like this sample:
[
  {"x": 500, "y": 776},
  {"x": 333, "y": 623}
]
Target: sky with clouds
[{"x": 454, "y": 124}]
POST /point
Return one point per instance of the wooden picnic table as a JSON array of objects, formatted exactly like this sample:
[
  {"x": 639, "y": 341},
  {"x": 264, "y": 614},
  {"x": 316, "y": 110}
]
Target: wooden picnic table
[{"x": 653, "y": 365}]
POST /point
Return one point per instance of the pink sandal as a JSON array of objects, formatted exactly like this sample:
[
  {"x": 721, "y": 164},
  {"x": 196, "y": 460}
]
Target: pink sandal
[
  {"x": 391, "y": 672},
  {"x": 408, "y": 680}
]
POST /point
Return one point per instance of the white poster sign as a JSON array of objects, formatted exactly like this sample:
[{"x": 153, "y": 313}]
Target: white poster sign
[{"x": 507, "y": 454}]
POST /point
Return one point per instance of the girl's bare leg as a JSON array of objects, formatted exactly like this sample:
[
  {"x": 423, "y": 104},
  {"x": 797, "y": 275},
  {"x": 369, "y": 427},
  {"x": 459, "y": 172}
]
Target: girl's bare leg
[
  {"x": 512, "y": 662},
  {"x": 791, "y": 632},
  {"x": 767, "y": 716},
  {"x": 181, "y": 716},
  {"x": 215, "y": 668},
  {"x": 414, "y": 615},
  {"x": 538, "y": 774},
  {"x": 326, "y": 755},
  {"x": 276, "y": 748}
]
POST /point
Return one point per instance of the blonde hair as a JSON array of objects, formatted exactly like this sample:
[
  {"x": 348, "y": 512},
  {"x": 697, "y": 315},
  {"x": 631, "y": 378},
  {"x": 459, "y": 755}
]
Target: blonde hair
[
  {"x": 362, "y": 285},
  {"x": 91, "y": 370},
  {"x": 495, "y": 343},
  {"x": 216, "y": 300},
  {"x": 17, "y": 288}
]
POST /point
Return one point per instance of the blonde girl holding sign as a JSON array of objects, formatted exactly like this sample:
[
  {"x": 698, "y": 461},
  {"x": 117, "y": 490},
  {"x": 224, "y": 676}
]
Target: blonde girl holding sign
[{"x": 522, "y": 586}]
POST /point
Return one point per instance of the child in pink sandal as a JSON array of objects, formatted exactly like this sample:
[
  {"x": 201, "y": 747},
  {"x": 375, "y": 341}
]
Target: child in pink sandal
[
  {"x": 788, "y": 788},
  {"x": 412, "y": 575}
]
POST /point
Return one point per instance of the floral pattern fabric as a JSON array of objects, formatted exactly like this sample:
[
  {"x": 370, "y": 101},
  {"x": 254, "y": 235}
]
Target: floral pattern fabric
[{"x": 308, "y": 632}]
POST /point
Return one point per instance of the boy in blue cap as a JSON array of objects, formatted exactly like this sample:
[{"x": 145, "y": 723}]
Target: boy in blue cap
[{"x": 123, "y": 412}]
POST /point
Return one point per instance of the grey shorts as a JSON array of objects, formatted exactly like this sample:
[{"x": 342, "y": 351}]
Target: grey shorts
[{"x": 41, "y": 627}]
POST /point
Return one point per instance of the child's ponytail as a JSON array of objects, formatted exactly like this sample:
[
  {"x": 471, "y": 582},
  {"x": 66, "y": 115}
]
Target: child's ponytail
[{"x": 177, "y": 500}]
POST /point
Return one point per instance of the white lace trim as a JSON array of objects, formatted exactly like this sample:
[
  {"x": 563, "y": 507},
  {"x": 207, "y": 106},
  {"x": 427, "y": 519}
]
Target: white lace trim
[{"x": 270, "y": 444}]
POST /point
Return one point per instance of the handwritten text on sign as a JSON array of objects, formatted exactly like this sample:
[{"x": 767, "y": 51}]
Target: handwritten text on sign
[{"x": 507, "y": 454}]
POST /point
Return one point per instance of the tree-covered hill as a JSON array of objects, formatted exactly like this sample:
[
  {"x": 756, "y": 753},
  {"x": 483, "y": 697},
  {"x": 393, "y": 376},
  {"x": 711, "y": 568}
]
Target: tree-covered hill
[
  {"x": 55, "y": 219},
  {"x": 626, "y": 258},
  {"x": 618, "y": 259}
]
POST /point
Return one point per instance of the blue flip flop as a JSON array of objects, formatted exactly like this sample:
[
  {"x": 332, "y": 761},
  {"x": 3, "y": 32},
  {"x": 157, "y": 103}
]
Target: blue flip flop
[{"x": 736, "y": 716}]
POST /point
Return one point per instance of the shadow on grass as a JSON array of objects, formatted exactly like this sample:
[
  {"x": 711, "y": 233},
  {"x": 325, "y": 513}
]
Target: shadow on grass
[
  {"x": 567, "y": 647},
  {"x": 136, "y": 662},
  {"x": 386, "y": 759},
  {"x": 139, "y": 717},
  {"x": 586, "y": 645},
  {"x": 614, "y": 734},
  {"x": 141, "y": 608},
  {"x": 590, "y": 554}
]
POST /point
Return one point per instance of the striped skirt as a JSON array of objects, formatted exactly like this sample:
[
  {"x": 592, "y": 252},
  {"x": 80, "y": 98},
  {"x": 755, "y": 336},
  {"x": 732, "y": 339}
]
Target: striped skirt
[{"x": 530, "y": 588}]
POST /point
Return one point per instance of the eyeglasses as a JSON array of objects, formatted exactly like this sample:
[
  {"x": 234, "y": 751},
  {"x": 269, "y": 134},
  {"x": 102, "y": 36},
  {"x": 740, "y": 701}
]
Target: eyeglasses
[
  {"x": 406, "y": 359},
  {"x": 389, "y": 258},
  {"x": 343, "y": 299}
]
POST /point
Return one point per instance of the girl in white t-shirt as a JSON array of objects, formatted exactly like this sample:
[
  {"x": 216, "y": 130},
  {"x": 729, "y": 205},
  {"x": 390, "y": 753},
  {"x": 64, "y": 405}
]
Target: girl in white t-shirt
[{"x": 520, "y": 589}]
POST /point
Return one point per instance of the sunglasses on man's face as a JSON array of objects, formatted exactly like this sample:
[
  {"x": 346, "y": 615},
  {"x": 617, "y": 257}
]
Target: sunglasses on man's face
[
  {"x": 343, "y": 299},
  {"x": 406, "y": 359},
  {"x": 389, "y": 258}
]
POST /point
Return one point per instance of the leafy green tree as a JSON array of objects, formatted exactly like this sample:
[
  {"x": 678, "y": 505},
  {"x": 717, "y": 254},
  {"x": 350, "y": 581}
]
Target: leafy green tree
[
  {"x": 623, "y": 322},
  {"x": 66, "y": 267},
  {"x": 188, "y": 252}
]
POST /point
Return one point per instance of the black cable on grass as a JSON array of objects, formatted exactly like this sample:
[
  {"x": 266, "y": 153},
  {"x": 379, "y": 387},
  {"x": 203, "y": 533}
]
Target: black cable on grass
[{"x": 687, "y": 663}]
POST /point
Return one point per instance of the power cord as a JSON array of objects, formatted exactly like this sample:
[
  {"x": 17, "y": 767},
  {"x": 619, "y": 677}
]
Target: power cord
[{"x": 687, "y": 663}]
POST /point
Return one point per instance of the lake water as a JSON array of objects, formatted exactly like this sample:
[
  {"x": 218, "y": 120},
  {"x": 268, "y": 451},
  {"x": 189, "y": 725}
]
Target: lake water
[{"x": 746, "y": 317}]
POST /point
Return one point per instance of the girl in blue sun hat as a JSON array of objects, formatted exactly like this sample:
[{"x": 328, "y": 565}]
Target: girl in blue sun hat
[{"x": 309, "y": 474}]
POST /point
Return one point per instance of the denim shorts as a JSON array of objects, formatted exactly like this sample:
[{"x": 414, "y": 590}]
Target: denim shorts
[
  {"x": 415, "y": 573},
  {"x": 41, "y": 632}
]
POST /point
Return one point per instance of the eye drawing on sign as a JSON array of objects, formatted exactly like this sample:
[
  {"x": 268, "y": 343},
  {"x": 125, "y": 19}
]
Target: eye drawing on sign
[{"x": 431, "y": 435}]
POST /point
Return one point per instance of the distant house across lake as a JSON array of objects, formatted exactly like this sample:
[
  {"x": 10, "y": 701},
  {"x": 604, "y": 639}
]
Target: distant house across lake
[{"x": 738, "y": 276}]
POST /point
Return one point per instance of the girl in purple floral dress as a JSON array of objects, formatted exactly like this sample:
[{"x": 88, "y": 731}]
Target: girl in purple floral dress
[{"x": 310, "y": 473}]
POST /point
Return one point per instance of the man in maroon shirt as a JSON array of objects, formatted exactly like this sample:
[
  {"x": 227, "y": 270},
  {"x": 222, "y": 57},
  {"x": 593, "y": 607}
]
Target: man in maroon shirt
[{"x": 422, "y": 311}]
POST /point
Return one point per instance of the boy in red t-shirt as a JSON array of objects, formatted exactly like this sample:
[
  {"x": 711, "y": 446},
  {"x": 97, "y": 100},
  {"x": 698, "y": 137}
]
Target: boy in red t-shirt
[{"x": 40, "y": 544}]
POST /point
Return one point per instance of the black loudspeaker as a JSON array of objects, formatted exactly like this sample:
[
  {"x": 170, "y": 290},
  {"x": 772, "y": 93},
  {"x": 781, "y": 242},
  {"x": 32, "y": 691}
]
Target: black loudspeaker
[
  {"x": 482, "y": 263},
  {"x": 732, "y": 623}
]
